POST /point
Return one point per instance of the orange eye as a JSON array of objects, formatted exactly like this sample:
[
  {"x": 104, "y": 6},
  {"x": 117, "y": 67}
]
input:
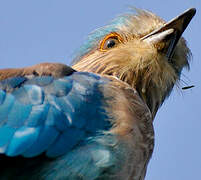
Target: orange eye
[{"x": 110, "y": 41}]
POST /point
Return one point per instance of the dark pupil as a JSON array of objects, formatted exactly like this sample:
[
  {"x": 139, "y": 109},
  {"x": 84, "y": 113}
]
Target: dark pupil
[{"x": 110, "y": 43}]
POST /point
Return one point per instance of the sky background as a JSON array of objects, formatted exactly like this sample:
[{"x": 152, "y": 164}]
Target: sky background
[{"x": 38, "y": 31}]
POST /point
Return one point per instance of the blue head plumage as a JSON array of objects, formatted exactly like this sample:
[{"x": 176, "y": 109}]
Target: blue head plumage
[{"x": 95, "y": 37}]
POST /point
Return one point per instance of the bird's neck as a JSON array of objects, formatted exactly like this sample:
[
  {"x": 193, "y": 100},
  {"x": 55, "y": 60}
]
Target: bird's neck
[{"x": 151, "y": 92}]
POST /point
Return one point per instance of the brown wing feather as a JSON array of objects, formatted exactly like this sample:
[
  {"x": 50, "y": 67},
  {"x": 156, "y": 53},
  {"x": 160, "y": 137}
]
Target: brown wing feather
[
  {"x": 132, "y": 122},
  {"x": 43, "y": 69}
]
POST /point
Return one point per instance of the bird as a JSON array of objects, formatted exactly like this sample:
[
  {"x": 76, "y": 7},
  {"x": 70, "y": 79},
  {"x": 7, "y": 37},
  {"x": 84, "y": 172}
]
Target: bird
[{"x": 93, "y": 120}]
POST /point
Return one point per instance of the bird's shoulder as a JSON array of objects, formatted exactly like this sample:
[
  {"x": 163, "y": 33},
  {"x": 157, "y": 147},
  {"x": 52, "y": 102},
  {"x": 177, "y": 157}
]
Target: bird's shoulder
[
  {"x": 42, "y": 69},
  {"x": 81, "y": 116}
]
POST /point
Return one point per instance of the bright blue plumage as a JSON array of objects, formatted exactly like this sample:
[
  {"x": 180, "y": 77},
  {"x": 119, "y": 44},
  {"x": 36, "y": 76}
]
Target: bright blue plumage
[
  {"x": 45, "y": 114},
  {"x": 64, "y": 119},
  {"x": 95, "y": 159}
]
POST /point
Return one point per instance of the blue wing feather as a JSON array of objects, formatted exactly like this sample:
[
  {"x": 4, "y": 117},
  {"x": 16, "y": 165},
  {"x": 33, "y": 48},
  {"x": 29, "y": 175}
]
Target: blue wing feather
[
  {"x": 11, "y": 83},
  {"x": 46, "y": 137},
  {"x": 46, "y": 114},
  {"x": 6, "y": 134},
  {"x": 22, "y": 139},
  {"x": 97, "y": 158},
  {"x": 2, "y": 96},
  {"x": 6, "y": 107}
]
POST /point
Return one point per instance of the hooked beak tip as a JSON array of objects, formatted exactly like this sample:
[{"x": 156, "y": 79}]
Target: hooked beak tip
[{"x": 174, "y": 29}]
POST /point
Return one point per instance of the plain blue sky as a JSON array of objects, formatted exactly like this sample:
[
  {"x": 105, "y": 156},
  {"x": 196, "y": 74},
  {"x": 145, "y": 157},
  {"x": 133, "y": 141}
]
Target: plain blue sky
[{"x": 49, "y": 31}]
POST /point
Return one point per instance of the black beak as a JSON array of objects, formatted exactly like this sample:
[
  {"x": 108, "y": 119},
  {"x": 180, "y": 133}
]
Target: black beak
[{"x": 171, "y": 31}]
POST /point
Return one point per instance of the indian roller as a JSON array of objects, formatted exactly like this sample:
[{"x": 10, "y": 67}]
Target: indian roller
[{"x": 93, "y": 120}]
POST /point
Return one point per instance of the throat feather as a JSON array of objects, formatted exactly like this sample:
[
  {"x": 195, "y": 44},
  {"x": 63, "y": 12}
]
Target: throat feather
[{"x": 151, "y": 81}]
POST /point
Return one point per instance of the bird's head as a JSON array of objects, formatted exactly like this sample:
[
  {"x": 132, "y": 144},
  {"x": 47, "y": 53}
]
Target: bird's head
[{"x": 141, "y": 50}]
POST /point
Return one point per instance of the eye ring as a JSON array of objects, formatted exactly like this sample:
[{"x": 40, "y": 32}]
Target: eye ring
[{"x": 110, "y": 41}]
